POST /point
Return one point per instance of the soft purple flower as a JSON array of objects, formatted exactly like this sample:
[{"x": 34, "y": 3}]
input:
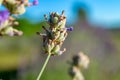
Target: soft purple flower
[
  {"x": 70, "y": 28},
  {"x": 35, "y": 2},
  {"x": 4, "y": 14}
]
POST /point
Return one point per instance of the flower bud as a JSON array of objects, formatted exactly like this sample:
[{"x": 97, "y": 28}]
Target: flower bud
[
  {"x": 70, "y": 29},
  {"x": 61, "y": 24},
  {"x": 61, "y": 52},
  {"x": 81, "y": 60},
  {"x": 17, "y": 32},
  {"x": 57, "y": 34},
  {"x": 56, "y": 49},
  {"x": 9, "y": 31},
  {"x": 62, "y": 36},
  {"x": 10, "y": 2},
  {"x": 47, "y": 48},
  {"x": 55, "y": 20},
  {"x": 1, "y": 1},
  {"x": 4, "y": 24},
  {"x": 52, "y": 45},
  {"x": 56, "y": 14},
  {"x": 19, "y": 10},
  {"x": 84, "y": 60},
  {"x": 75, "y": 73}
]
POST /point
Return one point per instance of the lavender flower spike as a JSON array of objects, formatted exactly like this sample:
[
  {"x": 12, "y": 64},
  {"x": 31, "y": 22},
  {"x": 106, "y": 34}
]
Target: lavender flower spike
[
  {"x": 4, "y": 14},
  {"x": 55, "y": 34}
]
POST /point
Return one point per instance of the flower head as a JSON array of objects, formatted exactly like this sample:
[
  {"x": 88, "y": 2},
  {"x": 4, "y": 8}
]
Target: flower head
[
  {"x": 79, "y": 61},
  {"x": 55, "y": 34}
]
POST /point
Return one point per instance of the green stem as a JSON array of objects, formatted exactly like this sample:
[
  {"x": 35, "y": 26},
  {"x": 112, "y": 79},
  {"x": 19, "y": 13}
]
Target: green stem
[{"x": 43, "y": 68}]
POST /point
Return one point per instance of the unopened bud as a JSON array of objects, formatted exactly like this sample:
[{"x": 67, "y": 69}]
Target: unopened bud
[
  {"x": 55, "y": 20},
  {"x": 9, "y": 31},
  {"x": 17, "y": 32},
  {"x": 11, "y": 2},
  {"x": 56, "y": 49},
  {"x": 20, "y": 9},
  {"x": 15, "y": 23},
  {"x": 1, "y": 1}
]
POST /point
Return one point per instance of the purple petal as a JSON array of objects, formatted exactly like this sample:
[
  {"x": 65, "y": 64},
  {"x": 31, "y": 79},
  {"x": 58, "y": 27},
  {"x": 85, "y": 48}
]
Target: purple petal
[
  {"x": 35, "y": 2},
  {"x": 70, "y": 29},
  {"x": 4, "y": 14}
]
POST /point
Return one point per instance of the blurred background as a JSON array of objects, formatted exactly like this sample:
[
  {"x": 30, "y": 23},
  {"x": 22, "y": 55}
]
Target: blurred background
[{"x": 96, "y": 33}]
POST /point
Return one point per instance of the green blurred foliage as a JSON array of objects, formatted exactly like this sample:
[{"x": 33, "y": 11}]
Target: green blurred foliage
[{"x": 27, "y": 27}]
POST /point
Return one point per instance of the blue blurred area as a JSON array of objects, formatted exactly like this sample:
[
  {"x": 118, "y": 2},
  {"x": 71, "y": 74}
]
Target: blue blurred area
[
  {"x": 100, "y": 11},
  {"x": 46, "y": 6}
]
